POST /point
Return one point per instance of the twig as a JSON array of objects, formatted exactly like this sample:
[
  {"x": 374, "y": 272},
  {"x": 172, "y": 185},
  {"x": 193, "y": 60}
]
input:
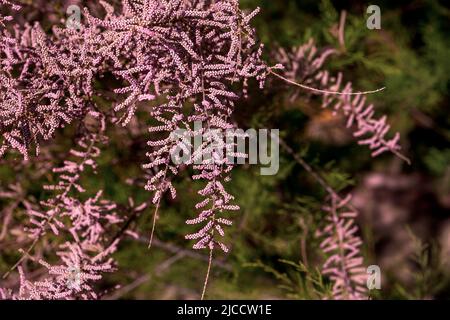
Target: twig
[
  {"x": 188, "y": 253},
  {"x": 341, "y": 31},
  {"x": 311, "y": 171},
  {"x": 22, "y": 258},
  {"x": 207, "y": 273},
  {"x": 324, "y": 91},
  {"x": 127, "y": 224},
  {"x": 159, "y": 270}
]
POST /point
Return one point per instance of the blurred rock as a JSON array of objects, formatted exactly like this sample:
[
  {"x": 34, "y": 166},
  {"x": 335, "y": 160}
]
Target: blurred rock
[{"x": 392, "y": 203}]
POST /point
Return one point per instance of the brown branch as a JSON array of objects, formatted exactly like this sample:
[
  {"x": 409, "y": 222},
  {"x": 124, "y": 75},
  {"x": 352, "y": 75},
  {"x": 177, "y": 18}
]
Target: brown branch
[
  {"x": 188, "y": 253},
  {"x": 319, "y": 179}
]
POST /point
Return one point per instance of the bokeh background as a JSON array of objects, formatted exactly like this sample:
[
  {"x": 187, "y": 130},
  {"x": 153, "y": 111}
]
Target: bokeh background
[{"x": 404, "y": 209}]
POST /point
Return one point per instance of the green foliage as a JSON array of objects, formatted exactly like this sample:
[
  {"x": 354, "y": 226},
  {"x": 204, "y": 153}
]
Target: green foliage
[
  {"x": 429, "y": 278},
  {"x": 438, "y": 161},
  {"x": 298, "y": 282}
]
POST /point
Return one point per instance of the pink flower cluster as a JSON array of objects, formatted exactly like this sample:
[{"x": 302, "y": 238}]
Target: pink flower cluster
[
  {"x": 189, "y": 61},
  {"x": 344, "y": 263},
  {"x": 85, "y": 226},
  {"x": 304, "y": 64},
  {"x": 166, "y": 53}
]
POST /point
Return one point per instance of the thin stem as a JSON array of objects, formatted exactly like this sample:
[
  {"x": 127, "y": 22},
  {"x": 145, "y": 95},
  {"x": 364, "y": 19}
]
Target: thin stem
[
  {"x": 398, "y": 154},
  {"x": 341, "y": 31},
  {"x": 207, "y": 273},
  {"x": 22, "y": 258},
  {"x": 155, "y": 214},
  {"x": 324, "y": 91}
]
